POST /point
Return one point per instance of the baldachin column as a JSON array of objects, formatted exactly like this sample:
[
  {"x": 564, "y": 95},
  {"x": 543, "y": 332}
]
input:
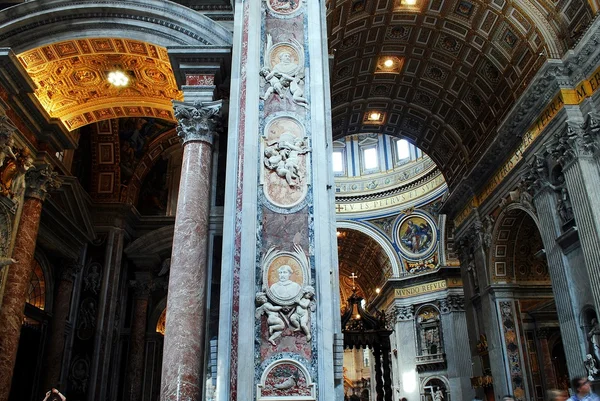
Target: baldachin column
[
  {"x": 183, "y": 353},
  {"x": 38, "y": 182}
]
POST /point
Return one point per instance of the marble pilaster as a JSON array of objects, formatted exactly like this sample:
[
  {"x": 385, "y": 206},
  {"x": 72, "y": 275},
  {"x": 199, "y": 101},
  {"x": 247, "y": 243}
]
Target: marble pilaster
[
  {"x": 550, "y": 229},
  {"x": 142, "y": 287},
  {"x": 575, "y": 150},
  {"x": 38, "y": 182},
  {"x": 279, "y": 204},
  {"x": 61, "y": 308},
  {"x": 184, "y": 344}
]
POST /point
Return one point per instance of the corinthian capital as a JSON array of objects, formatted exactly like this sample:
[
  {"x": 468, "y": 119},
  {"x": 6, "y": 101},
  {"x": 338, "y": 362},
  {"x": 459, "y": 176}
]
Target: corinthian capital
[
  {"x": 199, "y": 121},
  {"x": 577, "y": 140},
  {"x": 39, "y": 180},
  {"x": 535, "y": 174}
]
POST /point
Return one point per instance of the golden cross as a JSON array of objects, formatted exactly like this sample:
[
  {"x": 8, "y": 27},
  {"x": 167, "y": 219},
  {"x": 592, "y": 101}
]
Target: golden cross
[{"x": 353, "y": 276}]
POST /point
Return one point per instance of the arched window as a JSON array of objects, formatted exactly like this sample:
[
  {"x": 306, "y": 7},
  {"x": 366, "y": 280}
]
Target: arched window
[
  {"x": 429, "y": 331},
  {"x": 162, "y": 321},
  {"x": 36, "y": 295}
]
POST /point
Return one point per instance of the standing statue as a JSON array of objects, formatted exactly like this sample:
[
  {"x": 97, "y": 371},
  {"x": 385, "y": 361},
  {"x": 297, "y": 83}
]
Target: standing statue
[
  {"x": 12, "y": 174},
  {"x": 438, "y": 395},
  {"x": 590, "y": 365},
  {"x": 594, "y": 338}
]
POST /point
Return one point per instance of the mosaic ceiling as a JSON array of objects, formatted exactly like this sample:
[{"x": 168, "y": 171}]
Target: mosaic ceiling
[
  {"x": 72, "y": 86},
  {"x": 457, "y": 67},
  {"x": 360, "y": 254}
]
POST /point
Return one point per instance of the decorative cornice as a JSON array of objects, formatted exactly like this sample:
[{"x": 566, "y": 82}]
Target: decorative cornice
[
  {"x": 40, "y": 180},
  {"x": 199, "y": 121}
]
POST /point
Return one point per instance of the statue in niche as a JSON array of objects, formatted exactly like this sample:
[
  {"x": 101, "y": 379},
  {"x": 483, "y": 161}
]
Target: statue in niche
[
  {"x": 438, "y": 395},
  {"x": 590, "y": 365},
  {"x": 92, "y": 280},
  {"x": 594, "y": 338},
  {"x": 299, "y": 318},
  {"x": 284, "y": 71},
  {"x": 283, "y": 157},
  {"x": 473, "y": 271},
  {"x": 564, "y": 206},
  {"x": 274, "y": 318}
]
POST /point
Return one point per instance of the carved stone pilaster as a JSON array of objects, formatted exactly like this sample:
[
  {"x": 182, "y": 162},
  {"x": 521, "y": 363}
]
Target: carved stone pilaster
[
  {"x": 453, "y": 303},
  {"x": 403, "y": 313},
  {"x": 199, "y": 121},
  {"x": 40, "y": 180}
]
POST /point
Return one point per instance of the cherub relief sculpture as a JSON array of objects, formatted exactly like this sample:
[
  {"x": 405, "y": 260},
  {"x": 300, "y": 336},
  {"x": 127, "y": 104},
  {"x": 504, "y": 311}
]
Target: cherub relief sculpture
[
  {"x": 282, "y": 73},
  {"x": 283, "y": 157},
  {"x": 299, "y": 318},
  {"x": 274, "y": 319}
]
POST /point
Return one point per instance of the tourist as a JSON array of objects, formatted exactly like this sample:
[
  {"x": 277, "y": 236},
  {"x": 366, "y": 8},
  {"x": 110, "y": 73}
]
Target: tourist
[{"x": 583, "y": 390}]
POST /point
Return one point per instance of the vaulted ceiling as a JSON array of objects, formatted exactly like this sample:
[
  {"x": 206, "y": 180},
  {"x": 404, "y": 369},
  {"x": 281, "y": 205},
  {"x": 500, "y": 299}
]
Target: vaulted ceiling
[
  {"x": 360, "y": 254},
  {"x": 71, "y": 80},
  {"x": 457, "y": 67}
]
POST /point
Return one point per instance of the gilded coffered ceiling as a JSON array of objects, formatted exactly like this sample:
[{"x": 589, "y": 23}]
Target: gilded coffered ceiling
[
  {"x": 72, "y": 86},
  {"x": 360, "y": 254},
  {"x": 462, "y": 64}
]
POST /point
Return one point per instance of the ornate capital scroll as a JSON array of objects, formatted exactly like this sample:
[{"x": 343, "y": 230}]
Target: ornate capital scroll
[
  {"x": 577, "y": 140},
  {"x": 403, "y": 313},
  {"x": 40, "y": 180},
  {"x": 199, "y": 121},
  {"x": 453, "y": 303}
]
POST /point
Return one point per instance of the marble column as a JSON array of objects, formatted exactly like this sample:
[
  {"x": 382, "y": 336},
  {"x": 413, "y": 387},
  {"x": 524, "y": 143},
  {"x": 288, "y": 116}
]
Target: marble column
[
  {"x": 60, "y": 316},
  {"x": 550, "y": 229},
  {"x": 545, "y": 359},
  {"x": 183, "y": 354},
  {"x": 575, "y": 149},
  {"x": 38, "y": 181},
  {"x": 142, "y": 286}
]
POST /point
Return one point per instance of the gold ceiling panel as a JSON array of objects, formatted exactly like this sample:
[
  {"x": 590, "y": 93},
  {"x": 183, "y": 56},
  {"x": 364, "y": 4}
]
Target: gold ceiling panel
[{"x": 72, "y": 85}]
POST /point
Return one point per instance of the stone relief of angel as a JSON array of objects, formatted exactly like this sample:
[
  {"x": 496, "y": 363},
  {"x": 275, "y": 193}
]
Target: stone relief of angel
[
  {"x": 283, "y": 157},
  {"x": 285, "y": 75}
]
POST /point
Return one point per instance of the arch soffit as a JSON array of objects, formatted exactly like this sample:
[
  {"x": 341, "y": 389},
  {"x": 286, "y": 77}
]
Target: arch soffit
[
  {"x": 161, "y": 145},
  {"x": 504, "y": 213},
  {"x": 33, "y": 24},
  {"x": 154, "y": 242},
  {"x": 381, "y": 240}
]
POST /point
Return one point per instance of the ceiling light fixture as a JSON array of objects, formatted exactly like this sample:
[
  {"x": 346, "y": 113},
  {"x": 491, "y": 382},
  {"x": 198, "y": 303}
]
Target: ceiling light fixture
[
  {"x": 410, "y": 2},
  {"x": 118, "y": 78},
  {"x": 388, "y": 63},
  {"x": 374, "y": 116},
  {"x": 377, "y": 290}
]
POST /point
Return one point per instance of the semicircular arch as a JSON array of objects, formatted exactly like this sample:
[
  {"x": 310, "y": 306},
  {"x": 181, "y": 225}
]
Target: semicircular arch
[
  {"x": 381, "y": 240},
  {"x": 43, "y": 22}
]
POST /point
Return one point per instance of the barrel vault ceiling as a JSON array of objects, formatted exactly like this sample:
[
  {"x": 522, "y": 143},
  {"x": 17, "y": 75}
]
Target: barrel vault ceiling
[{"x": 457, "y": 67}]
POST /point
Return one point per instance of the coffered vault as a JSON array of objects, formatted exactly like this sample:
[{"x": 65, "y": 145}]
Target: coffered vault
[{"x": 461, "y": 66}]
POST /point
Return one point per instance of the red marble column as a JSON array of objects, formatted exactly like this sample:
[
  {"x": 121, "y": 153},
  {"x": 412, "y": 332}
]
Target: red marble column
[
  {"x": 546, "y": 359},
  {"x": 183, "y": 353},
  {"x": 137, "y": 341},
  {"x": 60, "y": 310},
  {"x": 19, "y": 274}
]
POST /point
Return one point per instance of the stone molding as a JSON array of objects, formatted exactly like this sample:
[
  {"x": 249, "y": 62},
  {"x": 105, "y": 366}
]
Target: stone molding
[
  {"x": 198, "y": 121},
  {"x": 40, "y": 180}
]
